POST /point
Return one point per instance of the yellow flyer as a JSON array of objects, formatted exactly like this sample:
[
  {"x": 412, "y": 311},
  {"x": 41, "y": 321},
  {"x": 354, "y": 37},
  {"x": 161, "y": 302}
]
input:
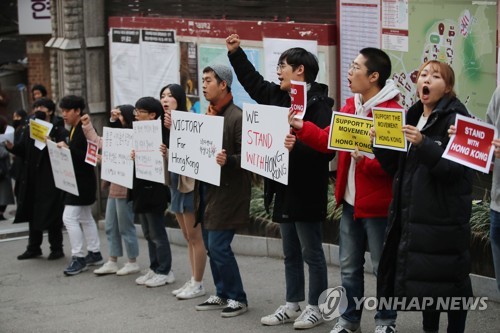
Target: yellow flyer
[
  {"x": 348, "y": 132},
  {"x": 39, "y": 130},
  {"x": 388, "y": 124}
]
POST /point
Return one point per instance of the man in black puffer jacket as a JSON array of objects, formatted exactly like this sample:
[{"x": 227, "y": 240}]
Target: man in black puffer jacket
[{"x": 300, "y": 207}]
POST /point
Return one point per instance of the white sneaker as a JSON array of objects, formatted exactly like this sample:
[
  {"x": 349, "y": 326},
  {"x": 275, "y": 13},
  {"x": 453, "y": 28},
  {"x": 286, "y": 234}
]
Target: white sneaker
[
  {"x": 309, "y": 318},
  {"x": 282, "y": 315},
  {"x": 185, "y": 285},
  {"x": 128, "y": 268},
  {"x": 192, "y": 291},
  {"x": 159, "y": 280},
  {"x": 338, "y": 328},
  {"x": 110, "y": 267},
  {"x": 141, "y": 280}
]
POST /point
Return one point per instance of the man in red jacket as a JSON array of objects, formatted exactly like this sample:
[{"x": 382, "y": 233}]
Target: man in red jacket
[{"x": 362, "y": 186}]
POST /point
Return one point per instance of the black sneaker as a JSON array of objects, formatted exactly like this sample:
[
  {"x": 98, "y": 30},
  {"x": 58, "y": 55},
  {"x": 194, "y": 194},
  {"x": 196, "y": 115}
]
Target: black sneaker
[
  {"x": 212, "y": 303},
  {"x": 76, "y": 266},
  {"x": 233, "y": 309},
  {"x": 54, "y": 255},
  {"x": 94, "y": 259},
  {"x": 28, "y": 254}
]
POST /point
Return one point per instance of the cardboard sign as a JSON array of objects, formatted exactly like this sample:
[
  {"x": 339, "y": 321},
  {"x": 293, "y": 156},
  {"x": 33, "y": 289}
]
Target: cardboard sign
[
  {"x": 348, "y": 132},
  {"x": 62, "y": 168},
  {"x": 195, "y": 140},
  {"x": 388, "y": 124},
  {"x": 91, "y": 156},
  {"x": 262, "y": 145},
  {"x": 471, "y": 145},
  {"x": 298, "y": 95},
  {"x": 39, "y": 129},
  {"x": 149, "y": 162},
  {"x": 117, "y": 166}
]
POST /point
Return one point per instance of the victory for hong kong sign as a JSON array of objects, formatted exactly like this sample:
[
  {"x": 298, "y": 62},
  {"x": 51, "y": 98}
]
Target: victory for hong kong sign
[{"x": 471, "y": 145}]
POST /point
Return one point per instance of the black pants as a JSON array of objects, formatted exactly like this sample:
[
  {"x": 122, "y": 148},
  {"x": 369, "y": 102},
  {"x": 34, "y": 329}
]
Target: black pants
[
  {"x": 35, "y": 238},
  {"x": 456, "y": 321}
]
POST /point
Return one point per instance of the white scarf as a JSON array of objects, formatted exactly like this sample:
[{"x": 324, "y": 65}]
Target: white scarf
[{"x": 387, "y": 93}]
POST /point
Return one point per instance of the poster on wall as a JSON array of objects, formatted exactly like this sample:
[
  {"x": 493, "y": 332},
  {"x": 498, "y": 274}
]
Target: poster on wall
[
  {"x": 160, "y": 60},
  {"x": 211, "y": 54},
  {"x": 274, "y": 47},
  {"x": 125, "y": 57},
  {"x": 355, "y": 36},
  {"x": 462, "y": 34},
  {"x": 189, "y": 75},
  {"x": 395, "y": 25},
  {"x": 142, "y": 61}
]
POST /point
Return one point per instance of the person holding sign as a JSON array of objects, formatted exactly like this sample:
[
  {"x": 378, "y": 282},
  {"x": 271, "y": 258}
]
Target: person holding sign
[
  {"x": 426, "y": 251},
  {"x": 77, "y": 215},
  {"x": 300, "y": 207},
  {"x": 226, "y": 207},
  {"x": 39, "y": 201},
  {"x": 362, "y": 187},
  {"x": 119, "y": 222},
  {"x": 150, "y": 203},
  {"x": 182, "y": 204}
]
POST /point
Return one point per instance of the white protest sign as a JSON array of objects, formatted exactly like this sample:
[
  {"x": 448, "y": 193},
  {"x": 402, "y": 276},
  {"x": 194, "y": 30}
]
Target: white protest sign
[
  {"x": 262, "y": 145},
  {"x": 195, "y": 139},
  {"x": 149, "y": 163},
  {"x": 117, "y": 166},
  {"x": 62, "y": 168},
  {"x": 8, "y": 135}
]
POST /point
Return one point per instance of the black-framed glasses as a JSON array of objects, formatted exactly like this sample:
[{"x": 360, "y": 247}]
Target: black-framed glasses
[{"x": 281, "y": 66}]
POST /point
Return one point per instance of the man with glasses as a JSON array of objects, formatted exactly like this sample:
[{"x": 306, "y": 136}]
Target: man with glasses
[
  {"x": 362, "y": 187},
  {"x": 77, "y": 215},
  {"x": 301, "y": 206},
  {"x": 39, "y": 200}
]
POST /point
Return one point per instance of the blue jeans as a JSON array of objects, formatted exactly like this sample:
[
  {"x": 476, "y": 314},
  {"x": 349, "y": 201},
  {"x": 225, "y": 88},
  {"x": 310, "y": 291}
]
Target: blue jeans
[
  {"x": 160, "y": 255},
  {"x": 302, "y": 241},
  {"x": 120, "y": 225},
  {"x": 354, "y": 234},
  {"x": 225, "y": 271},
  {"x": 495, "y": 242}
]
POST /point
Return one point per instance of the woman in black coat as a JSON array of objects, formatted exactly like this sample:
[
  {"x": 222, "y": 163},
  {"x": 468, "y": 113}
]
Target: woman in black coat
[{"x": 426, "y": 251}]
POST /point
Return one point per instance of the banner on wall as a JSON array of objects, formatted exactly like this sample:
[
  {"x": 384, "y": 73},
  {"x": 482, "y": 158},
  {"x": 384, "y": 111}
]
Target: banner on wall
[
  {"x": 189, "y": 75},
  {"x": 274, "y": 47},
  {"x": 142, "y": 61}
]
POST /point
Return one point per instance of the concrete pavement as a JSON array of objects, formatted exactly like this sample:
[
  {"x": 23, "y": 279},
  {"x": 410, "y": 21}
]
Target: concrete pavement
[{"x": 35, "y": 296}]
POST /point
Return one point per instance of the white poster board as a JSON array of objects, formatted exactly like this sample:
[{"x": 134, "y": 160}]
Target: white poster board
[
  {"x": 195, "y": 140},
  {"x": 62, "y": 168},
  {"x": 262, "y": 146},
  {"x": 149, "y": 163},
  {"x": 117, "y": 166},
  {"x": 34, "y": 17},
  {"x": 274, "y": 47}
]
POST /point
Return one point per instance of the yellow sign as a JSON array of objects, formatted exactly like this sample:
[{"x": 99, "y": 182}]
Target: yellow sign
[
  {"x": 38, "y": 131},
  {"x": 348, "y": 132},
  {"x": 388, "y": 124}
]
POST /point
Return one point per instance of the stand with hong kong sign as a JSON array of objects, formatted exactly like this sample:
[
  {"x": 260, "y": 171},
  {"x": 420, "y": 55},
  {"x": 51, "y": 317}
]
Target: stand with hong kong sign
[
  {"x": 471, "y": 145},
  {"x": 262, "y": 145},
  {"x": 298, "y": 96},
  {"x": 348, "y": 132}
]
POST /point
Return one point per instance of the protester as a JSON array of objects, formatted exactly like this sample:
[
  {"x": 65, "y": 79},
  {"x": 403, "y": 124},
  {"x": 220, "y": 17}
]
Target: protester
[
  {"x": 226, "y": 206},
  {"x": 77, "y": 215},
  {"x": 19, "y": 123},
  {"x": 362, "y": 187},
  {"x": 119, "y": 222},
  {"x": 426, "y": 251},
  {"x": 300, "y": 207},
  {"x": 38, "y": 91},
  {"x": 182, "y": 205},
  {"x": 39, "y": 201},
  {"x": 150, "y": 203},
  {"x": 6, "y": 194}
]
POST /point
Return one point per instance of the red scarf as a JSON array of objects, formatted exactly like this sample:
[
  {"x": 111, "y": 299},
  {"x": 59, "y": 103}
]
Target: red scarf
[{"x": 214, "y": 110}]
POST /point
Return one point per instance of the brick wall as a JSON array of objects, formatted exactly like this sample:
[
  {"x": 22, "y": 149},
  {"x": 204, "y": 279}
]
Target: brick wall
[{"x": 38, "y": 63}]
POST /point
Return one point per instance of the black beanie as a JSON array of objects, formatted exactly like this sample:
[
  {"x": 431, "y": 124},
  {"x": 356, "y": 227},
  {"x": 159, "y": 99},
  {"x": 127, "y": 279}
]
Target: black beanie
[
  {"x": 179, "y": 95},
  {"x": 150, "y": 104},
  {"x": 127, "y": 111}
]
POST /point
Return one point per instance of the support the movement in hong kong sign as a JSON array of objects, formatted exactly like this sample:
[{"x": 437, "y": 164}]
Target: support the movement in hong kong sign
[
  {"x": 471, "y": 145},
  {"x": 348, "y": 132},
  {"x": 388, "y": 124},
  {"x": 195, "y": 140},
  {"x": 262, "y": 145}
]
